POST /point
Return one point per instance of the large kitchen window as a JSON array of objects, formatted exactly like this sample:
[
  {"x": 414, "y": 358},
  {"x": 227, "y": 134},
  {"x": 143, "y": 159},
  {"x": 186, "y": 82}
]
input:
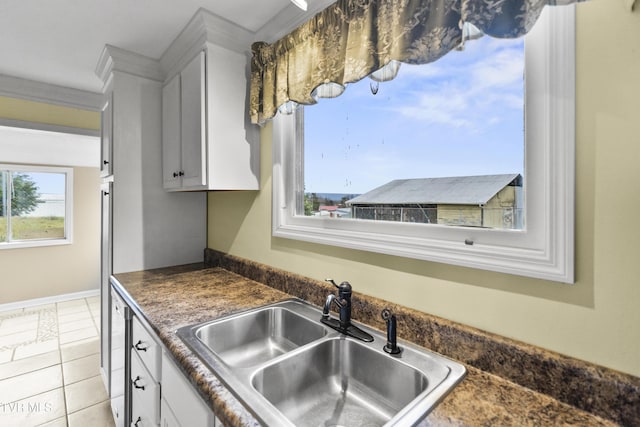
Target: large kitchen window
[
  {"x": 35, "y": 206},
  {"x": 336, "y": 194}
]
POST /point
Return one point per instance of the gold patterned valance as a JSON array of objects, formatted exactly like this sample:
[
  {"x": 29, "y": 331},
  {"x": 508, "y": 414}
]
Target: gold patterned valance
[{"x": 353, "y": 38}]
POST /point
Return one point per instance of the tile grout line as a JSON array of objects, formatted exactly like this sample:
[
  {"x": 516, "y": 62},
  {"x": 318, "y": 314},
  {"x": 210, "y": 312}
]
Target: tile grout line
[
  {"x": 64, "y": 388},
  {"x": 93, "y": 319}
]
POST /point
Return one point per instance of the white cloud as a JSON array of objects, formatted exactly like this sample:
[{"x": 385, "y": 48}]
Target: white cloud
[
  {"x": 442, "y": 107},
  {"x": 464, "y": 91},
  {"x": 422, "y": 71}
]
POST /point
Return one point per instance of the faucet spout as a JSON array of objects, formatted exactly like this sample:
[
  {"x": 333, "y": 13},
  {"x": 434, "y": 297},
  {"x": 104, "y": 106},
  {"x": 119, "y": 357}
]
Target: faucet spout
[
  {"x": 327, "y": 305},
  {"x": 343, "y": 305}
]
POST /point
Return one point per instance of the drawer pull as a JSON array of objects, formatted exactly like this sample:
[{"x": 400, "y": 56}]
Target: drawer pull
[
  {"x": 135, "y": 383},
  {"x": 139, "y": 346},
  {"x": 137, "y": 421}
]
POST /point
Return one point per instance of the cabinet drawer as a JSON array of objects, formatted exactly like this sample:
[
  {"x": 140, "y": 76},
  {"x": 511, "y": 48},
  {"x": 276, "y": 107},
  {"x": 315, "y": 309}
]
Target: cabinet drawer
[
  {"x": 146, "y": 347},
  {"x": 145, "y": 391},
  {"x": 140, "y": 418}
]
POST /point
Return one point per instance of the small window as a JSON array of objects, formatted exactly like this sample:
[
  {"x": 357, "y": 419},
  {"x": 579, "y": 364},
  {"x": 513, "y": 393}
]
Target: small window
[{"x": 35, "y": 206}]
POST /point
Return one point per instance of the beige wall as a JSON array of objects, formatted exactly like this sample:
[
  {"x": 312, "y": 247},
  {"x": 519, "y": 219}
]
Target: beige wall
[
  {"x": 18, "y": 109},
  {"x": 31, "y": 273},
  {"x": 598, "y": 318}
]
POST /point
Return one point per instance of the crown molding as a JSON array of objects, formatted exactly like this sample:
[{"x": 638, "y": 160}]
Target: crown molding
[
  {"x": 31, "y": 90},
  {"x": 116, "y": 59},
  {"x": 204, "y": 27}
]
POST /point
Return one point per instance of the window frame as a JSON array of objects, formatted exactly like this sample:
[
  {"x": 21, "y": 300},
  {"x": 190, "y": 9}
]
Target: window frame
[
  {"x": 543, "y": 250},
  {"x": 68, "y": 215}
]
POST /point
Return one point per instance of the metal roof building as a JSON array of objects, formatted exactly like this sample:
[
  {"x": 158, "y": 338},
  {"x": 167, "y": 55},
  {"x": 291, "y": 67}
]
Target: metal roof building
[{"x": 460, "y": 190}]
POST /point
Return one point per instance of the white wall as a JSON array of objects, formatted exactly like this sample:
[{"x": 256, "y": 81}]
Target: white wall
[{"x": 40, "y": 272}]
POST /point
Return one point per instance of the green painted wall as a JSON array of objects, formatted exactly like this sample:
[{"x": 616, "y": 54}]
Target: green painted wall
[{"x": 597, "y": 319}]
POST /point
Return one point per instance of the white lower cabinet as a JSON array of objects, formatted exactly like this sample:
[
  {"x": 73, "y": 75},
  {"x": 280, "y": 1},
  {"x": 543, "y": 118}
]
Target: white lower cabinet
[
  {"x": 182, "y": 404},
  {"x": 145, "y": 377},
  {"x": 160, "y": 394}
]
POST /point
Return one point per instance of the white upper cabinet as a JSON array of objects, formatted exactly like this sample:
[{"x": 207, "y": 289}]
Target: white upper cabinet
[
  {"x": 208, "y": 142},
  {"x": 184, "y": 139}
]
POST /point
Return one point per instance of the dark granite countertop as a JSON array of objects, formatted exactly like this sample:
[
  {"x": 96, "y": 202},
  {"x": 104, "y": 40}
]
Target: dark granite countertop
[{"x": 167, "y": 299}]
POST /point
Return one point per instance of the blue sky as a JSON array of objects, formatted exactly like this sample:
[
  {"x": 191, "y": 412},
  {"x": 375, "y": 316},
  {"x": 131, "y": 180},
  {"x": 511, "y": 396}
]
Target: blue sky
[
  {"x": 461, "y": 115},
  {"x": 49, "y": 183}
]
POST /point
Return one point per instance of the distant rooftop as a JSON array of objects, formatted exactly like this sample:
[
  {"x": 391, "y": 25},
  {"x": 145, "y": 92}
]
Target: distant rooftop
[
  {"x": 457, "y": 190},
  {"x": 327, "y": 208}
]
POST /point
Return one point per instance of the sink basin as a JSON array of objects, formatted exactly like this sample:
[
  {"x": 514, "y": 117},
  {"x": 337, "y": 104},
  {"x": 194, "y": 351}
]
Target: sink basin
[
  {"x": 340, "y": 382},
  {"x": 289, "y": 369},
  {"x": 251, "y": 338}
]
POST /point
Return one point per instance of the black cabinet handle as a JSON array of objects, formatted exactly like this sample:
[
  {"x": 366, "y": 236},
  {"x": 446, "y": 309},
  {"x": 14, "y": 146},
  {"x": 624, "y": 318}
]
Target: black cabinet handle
[
  {"x": 137, "y": 421},
  {"x": 105, "y": 162},
  {"x": 138, "y": 346},
  {"x": 135, "y": 383},
  {"x": 175, "y": 174},
  {"x": 105, "y": 193},
  {"x": 181, "y": 173}
]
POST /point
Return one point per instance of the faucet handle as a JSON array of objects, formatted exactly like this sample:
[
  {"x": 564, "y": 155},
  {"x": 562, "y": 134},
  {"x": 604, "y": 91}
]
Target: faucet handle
[
  {"x": 332, "y": 282},
  {"x": 344, "y": 288}
]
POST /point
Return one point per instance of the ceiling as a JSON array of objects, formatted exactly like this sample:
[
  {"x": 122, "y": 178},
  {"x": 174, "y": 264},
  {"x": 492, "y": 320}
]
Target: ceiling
[{"x": 59, "y": 41}]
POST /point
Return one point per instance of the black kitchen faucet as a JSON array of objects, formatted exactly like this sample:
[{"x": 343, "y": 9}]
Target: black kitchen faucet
[{"x": 343, "y": 301}]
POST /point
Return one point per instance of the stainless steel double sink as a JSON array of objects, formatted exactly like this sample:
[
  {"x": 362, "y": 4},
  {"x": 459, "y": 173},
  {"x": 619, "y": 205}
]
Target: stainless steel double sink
[{"x": 291, "y": 370}]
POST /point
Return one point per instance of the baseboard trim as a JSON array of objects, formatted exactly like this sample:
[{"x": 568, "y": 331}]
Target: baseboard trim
[{"x": 48, "y": 300}]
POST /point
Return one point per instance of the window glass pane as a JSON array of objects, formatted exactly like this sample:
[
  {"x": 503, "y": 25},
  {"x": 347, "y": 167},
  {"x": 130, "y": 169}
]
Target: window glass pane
[
  {"x": 37, "y": 205},
  {"x": 452, "y": 131}
]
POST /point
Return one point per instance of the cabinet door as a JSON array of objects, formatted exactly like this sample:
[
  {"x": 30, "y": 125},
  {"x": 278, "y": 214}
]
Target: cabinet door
[
  {"x": 120, "y": 362},
  {"x": 171, "y": 135},
  {"x": 168, "y": 419},
  {"x": 186, "y": 405},
  {"x": 193, "y": 120},
  {"x": 105, "y": 288},
  {"x": 106, "y": 134}
]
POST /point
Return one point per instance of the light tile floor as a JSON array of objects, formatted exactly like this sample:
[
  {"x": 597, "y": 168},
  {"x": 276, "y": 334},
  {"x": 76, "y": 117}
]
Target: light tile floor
[{"x": 49, "y": 366}]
